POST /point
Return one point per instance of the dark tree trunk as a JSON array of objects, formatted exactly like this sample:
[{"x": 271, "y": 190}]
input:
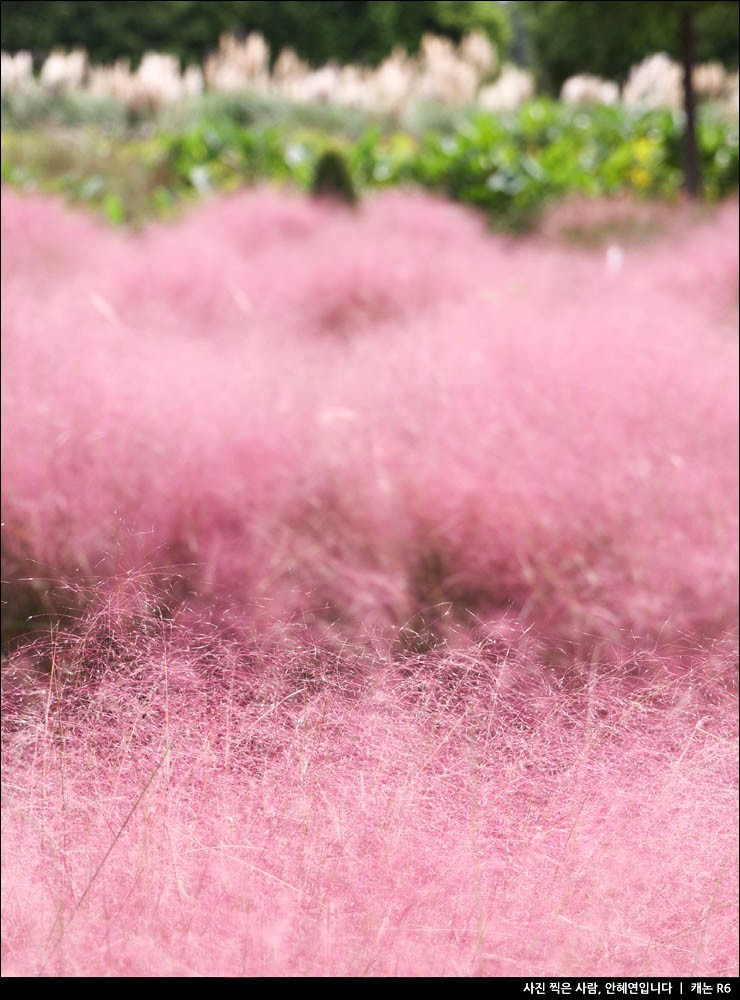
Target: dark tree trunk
[{"x": 692, "y": 166}]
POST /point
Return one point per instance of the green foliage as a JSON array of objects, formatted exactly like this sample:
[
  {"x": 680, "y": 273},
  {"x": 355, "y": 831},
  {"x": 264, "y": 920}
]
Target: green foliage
[
  {"x": 126, "y": 181},
  {"x": 249, "y": 108},
  {"x": 332, "y": 178},
  {"x": 33, "y": 107},
  {"x": 109, "y": 29},
  {"x": 319, "y": 30},
  {"x": 509, "y": 166},
  {"x": 609, "y": 36}
]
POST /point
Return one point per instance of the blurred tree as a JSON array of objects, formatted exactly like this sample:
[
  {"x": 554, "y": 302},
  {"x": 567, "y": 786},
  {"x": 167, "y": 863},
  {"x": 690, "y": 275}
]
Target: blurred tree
[
  {"x": 609, "y": 36},
  {"x": 319, "y": 30},
  {"x": 689, "y": 16}
]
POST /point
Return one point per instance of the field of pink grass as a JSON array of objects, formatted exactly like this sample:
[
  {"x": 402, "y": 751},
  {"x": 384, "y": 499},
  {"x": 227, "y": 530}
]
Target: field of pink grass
[{"x": 384, "y": 578}]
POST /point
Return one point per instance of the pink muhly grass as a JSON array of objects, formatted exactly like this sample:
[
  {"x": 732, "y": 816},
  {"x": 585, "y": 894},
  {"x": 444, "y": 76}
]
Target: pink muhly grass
[
  {"x": 217, "y": 808},
  {"x": 331, "y": 417},
  {"x": 385, "y": 576}
]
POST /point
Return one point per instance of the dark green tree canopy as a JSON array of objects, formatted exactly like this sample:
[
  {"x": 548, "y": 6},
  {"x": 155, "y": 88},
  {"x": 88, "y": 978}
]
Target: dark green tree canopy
[
  {"x": 320, "y": 30},
  {"x": 609, "y": 36}
]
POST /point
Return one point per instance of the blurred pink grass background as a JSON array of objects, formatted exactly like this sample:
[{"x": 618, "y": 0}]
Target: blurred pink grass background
[
  {"x": 383, "y": 412},
  {"x": 446, "y": 525}
]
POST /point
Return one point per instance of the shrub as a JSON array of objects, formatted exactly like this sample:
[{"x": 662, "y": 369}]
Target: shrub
[
  {"x": 510, "y": 167},
  {"x": 332, "y": 178}
]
